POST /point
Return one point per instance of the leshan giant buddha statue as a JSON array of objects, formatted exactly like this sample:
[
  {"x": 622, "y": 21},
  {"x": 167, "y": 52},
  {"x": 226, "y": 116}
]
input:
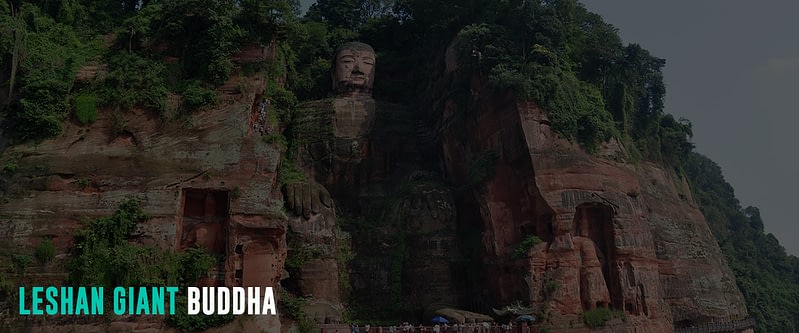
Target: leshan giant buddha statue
[{"x": 358, "y": 154}]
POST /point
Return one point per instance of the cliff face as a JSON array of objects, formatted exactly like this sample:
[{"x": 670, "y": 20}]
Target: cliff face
[
  {"x": 210, "y": 184},
  {"x": 614, "y": 234}
]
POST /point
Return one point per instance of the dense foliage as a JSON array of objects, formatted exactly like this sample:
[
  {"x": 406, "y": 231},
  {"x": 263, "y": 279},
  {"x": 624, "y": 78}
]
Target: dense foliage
[
  {"x": 106, "y": 254},
  {"x": 766, "y": 275},
  {"x": 523, "y": 249},
  {"x": 148, "y": 50},
  {"x": 39, "y": 59},
  {"x": 552, "y": 52}
]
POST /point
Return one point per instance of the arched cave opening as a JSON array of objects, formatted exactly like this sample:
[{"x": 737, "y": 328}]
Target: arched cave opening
[
  {"x": 594, "y": 221},
  {"x": 204, "y": 223}
]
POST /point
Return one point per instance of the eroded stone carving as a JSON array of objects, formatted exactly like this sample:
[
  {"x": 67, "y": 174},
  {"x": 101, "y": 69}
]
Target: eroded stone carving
[
  {"x": 576, "y": 261},
  {"x": 334, "y": 132},
  {"x": 358, "y": 153},
  {"x": 354, "y": 69},
  {"x": 593, "y": 289}
]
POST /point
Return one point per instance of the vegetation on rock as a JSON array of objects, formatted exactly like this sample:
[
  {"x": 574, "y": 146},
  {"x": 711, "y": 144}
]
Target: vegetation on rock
[
  {"x": 600, "y": 316},
  {"x": 293, "y": 307},
  {"x": 766, "y": 275},
  {"x": 194, "y": 323},
  {"x": 86, "y": 108},
  {"x": 554, "y": 53},
  {"x": 524, "y": 247},
  {"x": 45, "y": 252},
  {"x": 105, "y": 254}
]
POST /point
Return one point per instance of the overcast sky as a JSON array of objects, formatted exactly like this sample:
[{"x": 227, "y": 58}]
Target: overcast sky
[{"x": 732, "y": 69}]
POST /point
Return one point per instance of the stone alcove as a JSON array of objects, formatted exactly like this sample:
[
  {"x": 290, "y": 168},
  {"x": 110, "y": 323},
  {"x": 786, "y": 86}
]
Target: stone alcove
[
  {"x": 204, "y": 223},
  {"x": 593, "y": 234}
]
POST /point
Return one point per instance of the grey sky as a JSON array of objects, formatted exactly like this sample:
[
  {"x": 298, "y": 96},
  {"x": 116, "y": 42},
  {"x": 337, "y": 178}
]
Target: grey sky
[{"x": 731, "y": 68}]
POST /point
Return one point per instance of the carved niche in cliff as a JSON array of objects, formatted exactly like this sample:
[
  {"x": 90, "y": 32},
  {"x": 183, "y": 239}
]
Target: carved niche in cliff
[
  {"x": 362, "y": 155},
  {"x": 579, "y": 254},
  {"x": 204, "y": 223},
  {"x": 593, "y": 241},
  {"x": 251, "y": 253}
]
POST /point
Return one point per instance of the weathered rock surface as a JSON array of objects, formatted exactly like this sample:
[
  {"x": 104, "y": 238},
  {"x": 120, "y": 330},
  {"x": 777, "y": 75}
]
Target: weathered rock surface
[
  {"x": 208, "y": 183},
  {"x": 614, "y": 234},
  {"x": 430, "y": 216},
  {"x": 402, "y": 225}
]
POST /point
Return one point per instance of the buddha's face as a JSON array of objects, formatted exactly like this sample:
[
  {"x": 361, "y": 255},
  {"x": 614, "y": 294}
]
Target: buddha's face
[{"x": 354, "y": 71}]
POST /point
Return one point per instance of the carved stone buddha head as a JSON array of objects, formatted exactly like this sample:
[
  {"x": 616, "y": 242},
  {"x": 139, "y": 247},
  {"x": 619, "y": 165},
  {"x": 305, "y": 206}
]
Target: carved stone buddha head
[{"x": 353, "y": 69}]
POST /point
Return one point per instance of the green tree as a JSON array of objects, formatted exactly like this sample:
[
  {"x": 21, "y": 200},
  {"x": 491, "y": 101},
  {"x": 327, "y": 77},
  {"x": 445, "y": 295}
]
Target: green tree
[
  {"x": 347, "y": 14},
  {"x": 201, "y": 33},
  {"x": 674, "y": 135},
  {"x": 105, "y": 16},
  {"x": 68, "y": 12},
  {"x": 44, "y": 59},
  {"x": 767, "y": 276},
  {"x": 265, "y": 20},
  {"x": 134, "y": 80},
  {"x": 13, "y": 38}
]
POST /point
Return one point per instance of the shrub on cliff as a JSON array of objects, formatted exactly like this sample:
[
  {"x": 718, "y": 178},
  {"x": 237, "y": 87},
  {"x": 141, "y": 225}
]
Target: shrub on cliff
[
  {"x": 86, "y": 108},
  {"x": 195, "y": 96},
  {"x": 521, "y": 250},
  {"x": 45, "y": 252},
  {"x": 134, "y": 80},
  {"x": 293, "y": 307},
  {"x": 103, "y": 255},
  {"x": 41, "y": 55},
  {"x": 599, "y": 317},
  {"x": 543, "y": 74}
]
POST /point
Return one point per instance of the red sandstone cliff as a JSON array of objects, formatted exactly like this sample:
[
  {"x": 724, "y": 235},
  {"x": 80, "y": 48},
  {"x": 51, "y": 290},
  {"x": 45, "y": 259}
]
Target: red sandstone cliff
[
  {"x": 210, "y": 183},
  {"x": 615, "y": 233}
]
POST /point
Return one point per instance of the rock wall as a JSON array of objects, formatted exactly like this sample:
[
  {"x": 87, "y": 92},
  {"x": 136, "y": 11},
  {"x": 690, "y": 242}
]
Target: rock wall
[
  {"x": 431, "y": 216},
  {"x": 614, "y": 234},
  {"x": 399, "y": 216},
  {"x": 208, "y": 182}
]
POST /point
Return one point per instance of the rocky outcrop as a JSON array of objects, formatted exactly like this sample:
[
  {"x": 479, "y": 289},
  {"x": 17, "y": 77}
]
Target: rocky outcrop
[
  {"x": 697, "y": 283},
  {"x": 614, "y": 234},
  {"x": 488, "y": 208},
  {"x": 209, "y": 183}
]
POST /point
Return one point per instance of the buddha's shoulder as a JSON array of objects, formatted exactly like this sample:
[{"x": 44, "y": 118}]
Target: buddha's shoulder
[{"x": 326, "y": 103}]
